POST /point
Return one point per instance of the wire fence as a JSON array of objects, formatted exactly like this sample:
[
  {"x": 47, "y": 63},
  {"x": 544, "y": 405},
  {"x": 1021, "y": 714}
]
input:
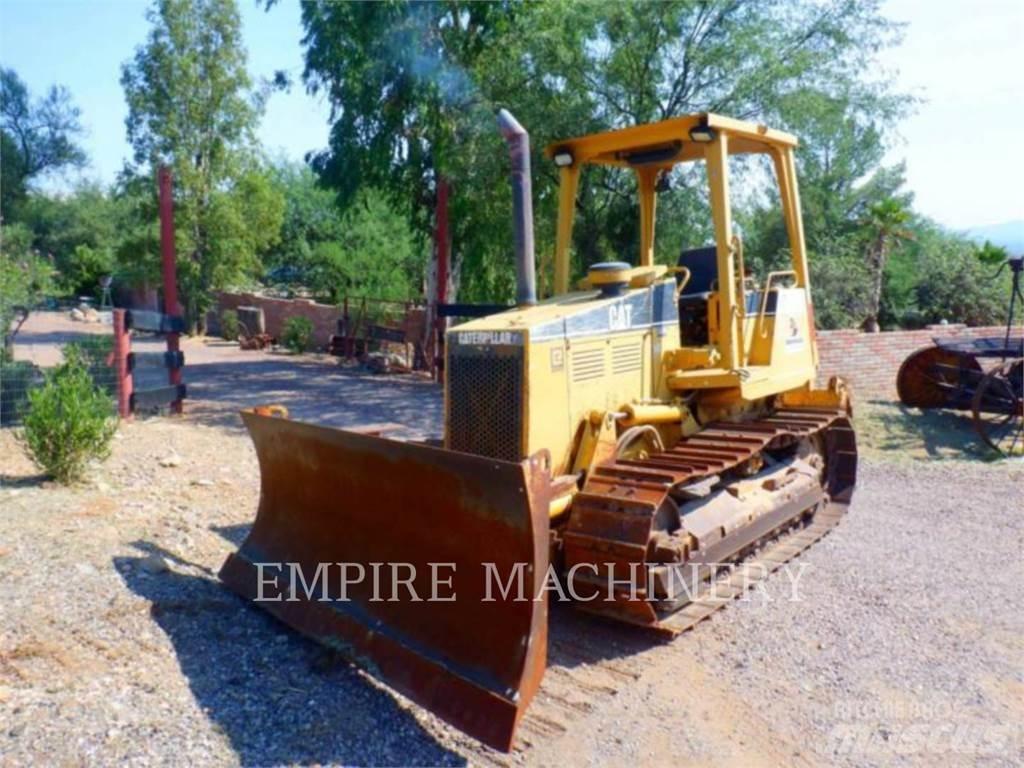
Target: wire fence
[{"x": 47, "y": 338}]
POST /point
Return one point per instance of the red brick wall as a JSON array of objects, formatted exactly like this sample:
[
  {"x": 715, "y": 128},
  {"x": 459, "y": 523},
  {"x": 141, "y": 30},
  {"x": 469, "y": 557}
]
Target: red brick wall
[
  {"x": 870, "y": 361},
  {"x": 275, "y": 311}
]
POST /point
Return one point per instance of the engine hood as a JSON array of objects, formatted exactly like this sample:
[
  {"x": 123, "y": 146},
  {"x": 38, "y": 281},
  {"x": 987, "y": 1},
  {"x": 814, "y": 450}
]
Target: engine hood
[{"x": 575, "y": 315}]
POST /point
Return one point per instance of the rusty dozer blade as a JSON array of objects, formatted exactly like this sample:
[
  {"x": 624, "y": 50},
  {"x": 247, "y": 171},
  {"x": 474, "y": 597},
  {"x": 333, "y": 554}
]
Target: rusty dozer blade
[{"x": 350, "y": 500}]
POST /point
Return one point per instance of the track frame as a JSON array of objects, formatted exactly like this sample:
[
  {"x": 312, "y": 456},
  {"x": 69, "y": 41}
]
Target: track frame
[{"x": 612, "y": 520}]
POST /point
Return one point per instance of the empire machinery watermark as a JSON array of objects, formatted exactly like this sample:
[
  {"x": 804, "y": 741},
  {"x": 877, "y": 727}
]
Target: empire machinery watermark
[
  {"x": 860, "y": 730},
  {"x": 583, "y": 582}
]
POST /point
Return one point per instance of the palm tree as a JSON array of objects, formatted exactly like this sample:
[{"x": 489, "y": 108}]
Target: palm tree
[{"x": 884, "y": 225}]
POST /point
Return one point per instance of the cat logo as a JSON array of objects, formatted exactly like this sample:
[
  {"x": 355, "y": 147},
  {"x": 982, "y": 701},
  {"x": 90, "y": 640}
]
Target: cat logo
[
  {"x": 794, "y": 341},
  {"x": 620, "y": 317},
  {"x": 557, "y": 358}
]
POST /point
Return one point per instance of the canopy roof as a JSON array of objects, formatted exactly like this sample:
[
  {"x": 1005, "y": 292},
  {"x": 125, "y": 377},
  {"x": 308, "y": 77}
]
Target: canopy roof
[{"x": 666, "y": 143}]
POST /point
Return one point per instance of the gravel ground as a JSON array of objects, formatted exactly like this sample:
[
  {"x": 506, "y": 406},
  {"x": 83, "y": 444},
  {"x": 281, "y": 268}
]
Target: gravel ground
[{"x": 904, "y": 646}]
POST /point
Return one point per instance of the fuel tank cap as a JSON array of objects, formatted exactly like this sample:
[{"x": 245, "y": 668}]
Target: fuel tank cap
[{"x": 610, "y": 277}]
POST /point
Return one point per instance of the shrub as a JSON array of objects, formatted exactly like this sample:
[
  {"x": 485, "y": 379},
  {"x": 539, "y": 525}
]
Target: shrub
[
  {"x": 69, "y": 421},
  {"x": 16, "y": 379},
  {"x": 297, "y": 334},
  {"x": 80, "y": 274},
  {"x": 229, "y": 325},
  {"x": 95, "y": 354},
  {"x": 25, "y": 277}
]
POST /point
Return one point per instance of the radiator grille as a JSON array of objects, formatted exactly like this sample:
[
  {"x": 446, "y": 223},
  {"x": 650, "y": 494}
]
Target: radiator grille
[
  {"x": 587, "y": 364},
  {"x": 627, "y": 358},
  {"x": 485, "y": 409}
]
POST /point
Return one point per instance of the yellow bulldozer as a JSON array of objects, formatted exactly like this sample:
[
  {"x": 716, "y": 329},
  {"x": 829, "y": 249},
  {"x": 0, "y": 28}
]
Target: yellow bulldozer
[{"x": 627, "y": 445}]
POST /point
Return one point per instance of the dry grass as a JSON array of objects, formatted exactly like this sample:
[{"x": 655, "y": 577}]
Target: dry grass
[{"x": 892, "y": 432}]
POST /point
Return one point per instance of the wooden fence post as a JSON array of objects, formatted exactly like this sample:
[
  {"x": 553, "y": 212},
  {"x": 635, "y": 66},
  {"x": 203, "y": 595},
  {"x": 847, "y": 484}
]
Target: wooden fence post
[{"x": 122, "y": 347}]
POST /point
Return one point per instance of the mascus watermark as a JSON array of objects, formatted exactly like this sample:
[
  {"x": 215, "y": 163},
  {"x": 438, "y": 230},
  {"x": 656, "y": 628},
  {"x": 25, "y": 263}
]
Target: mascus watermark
[
  {"x": 583, "y": 582},
  {"x": 917, "y": 727},
  {"x": 975, "y": 739}
]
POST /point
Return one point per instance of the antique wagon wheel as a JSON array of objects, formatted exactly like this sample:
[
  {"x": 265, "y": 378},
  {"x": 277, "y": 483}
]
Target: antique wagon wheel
[
  {"x": 935, "y": 377},
  {"x": 998, "y": 408}
]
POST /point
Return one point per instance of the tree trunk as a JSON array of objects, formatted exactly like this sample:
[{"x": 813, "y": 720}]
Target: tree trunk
[{"x": 878, "y": 260}]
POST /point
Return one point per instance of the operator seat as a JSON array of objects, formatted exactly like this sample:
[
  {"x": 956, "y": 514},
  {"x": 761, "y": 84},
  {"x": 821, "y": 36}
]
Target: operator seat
[{"x": 693, "y": 303}]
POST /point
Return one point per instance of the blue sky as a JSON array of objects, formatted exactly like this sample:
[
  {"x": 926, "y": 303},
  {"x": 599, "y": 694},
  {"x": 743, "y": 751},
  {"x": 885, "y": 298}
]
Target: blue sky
[
  {"x": 82, "y": 43},
  {"x": 962, "y": 147}
]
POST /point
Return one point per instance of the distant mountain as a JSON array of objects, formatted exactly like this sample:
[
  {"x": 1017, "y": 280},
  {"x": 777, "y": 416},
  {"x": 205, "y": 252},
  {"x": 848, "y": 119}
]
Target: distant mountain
[{"x": 1009, "y": 235}]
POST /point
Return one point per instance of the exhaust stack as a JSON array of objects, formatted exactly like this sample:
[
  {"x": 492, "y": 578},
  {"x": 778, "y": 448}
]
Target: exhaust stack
[{"x": 522, "y": 206}]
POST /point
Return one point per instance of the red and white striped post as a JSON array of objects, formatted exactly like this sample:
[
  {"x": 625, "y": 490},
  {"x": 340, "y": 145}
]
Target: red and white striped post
[
  {"x": 170, "y": 274},
  {"x": 122, "y": 347}
]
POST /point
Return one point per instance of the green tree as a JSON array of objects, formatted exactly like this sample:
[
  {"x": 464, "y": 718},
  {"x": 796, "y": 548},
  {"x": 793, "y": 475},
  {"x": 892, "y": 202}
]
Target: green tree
[
  {"x": 25, "y": 278},
  {"x": 885, "y": 225},
  {"x": 311, "y": 217},
  {"x": 414, "y": 86},
  {"x": 956, "y": 278},
  {"x": 191, "y": 105},
  {"x": 366, "y": 250},
  {"x": 842, "y": 144},
  {"x": 432, "y": 122},
  {"x": 137, "y": 252},
  {"x": 377, "y": 255},
  {"x": 80, "y": 232},
  {"x": 838, "y": 283},
  {"x": 36, "y": 137},
  {"x": 899, "y": 307}
]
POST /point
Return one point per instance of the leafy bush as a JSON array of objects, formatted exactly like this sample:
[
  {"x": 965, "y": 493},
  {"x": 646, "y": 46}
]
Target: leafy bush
[
  {"x": 367, "y": 248},
  {"x": 16, "y": 379},
  {"x": 25, "y": 277},
  {"x": 69, "y": 421},
  {"x": 95, "y": 354},
  {"x": 839, "y": 278},
  {"x": 957, "y": 282},
  {"x": 297, "y": 334},
  {"x": 229, "y": 325},
  {"x": 83, "y": 269}
]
